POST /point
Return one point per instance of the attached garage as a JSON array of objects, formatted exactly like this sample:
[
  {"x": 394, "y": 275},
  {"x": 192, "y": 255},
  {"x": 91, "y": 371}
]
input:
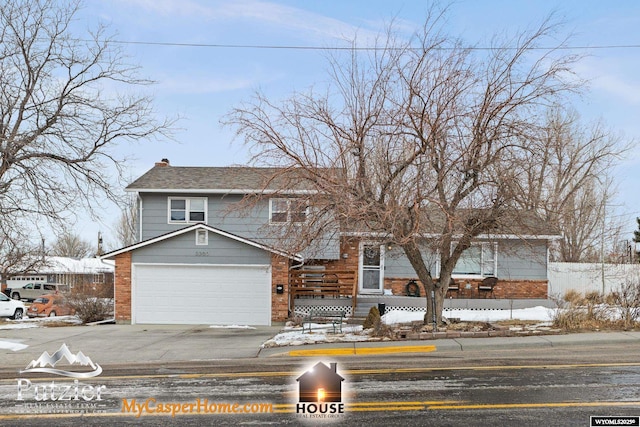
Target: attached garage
[
  {"x": 201, "y": 294},
  {"x": 200, "y": 275}
]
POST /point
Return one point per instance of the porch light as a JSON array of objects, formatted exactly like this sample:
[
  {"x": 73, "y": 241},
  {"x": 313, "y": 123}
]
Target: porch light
[{"x": 321, "y": 395}]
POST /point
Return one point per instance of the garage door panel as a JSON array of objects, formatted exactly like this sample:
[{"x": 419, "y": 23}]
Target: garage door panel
[{"x": 223, "y": 295}]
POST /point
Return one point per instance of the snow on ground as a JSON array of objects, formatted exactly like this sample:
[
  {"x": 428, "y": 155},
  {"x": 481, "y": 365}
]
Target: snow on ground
[
  {"x": 18, "y": 325},
  {"x": 232, "y": 326},
  {"x": 37, "y": 322},
  {"x": 323, "y": 333},
  {"x": 320, "y": 333},
  {"x": 13, "y": 346},
  {"x": 541, "y": 314}
]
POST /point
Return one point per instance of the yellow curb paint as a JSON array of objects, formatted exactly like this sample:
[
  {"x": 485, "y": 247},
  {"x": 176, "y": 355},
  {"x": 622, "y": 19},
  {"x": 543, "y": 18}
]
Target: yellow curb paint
[
  {"x": 324, "y": 352},
  {"x": 363, "y": 351}
]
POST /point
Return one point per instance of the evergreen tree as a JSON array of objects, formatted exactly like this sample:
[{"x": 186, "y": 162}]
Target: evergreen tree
[{"x": 636, "y": 238}]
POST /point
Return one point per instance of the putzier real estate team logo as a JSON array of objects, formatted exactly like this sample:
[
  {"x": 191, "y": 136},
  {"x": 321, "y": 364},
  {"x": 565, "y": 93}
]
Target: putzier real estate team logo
[
  {"x": 77, "y": 366},
  {"x": 320, "y": 392},
  {"x": 46, "y": 363}
]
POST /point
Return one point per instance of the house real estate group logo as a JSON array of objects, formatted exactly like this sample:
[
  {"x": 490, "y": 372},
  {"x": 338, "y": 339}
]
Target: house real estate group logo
[
  {"x": 61, "y": 397},
  {"x": 320, "y": 394}
]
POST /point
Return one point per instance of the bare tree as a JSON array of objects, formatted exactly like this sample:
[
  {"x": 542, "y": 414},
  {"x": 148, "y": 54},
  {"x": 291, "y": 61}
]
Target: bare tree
[
  {"x": 72, "y": 246},
  {"x": 569, "y": 182},
  {"x": 18, "y": 254},
  {"x": 125, "y": 228},
  {"x": 420, "y": 142},
  {"x": 65, "y": 102}
]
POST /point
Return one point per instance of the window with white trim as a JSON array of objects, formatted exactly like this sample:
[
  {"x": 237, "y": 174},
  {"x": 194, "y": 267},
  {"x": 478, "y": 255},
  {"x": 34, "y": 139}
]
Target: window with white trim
[
  {"x": 186, "y": 210},
  {"x": 282, "y": 211},
  {"x": 478, "y": 260},
  {"x": 202, "y": 237}
]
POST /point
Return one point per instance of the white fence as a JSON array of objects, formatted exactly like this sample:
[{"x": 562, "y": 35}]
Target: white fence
[{"x": 584, "y": 278}]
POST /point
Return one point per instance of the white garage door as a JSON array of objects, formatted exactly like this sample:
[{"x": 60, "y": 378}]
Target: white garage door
[{"x": 192, "y": 294}]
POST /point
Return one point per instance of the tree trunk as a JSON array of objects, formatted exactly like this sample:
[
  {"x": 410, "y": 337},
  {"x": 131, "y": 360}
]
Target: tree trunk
[{"x": 412, "y": 251}]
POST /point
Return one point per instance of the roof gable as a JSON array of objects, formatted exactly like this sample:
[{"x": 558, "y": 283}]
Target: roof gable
[{"x": 198, "y": 227}]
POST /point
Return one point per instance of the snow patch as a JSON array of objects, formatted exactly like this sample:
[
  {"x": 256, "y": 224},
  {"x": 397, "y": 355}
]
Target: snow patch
[
  {"x": 232, "y": 326},
  {"x": 13, "y": 346},
  {"x": 323, "y": 333},
  {"x": 320, "y": 333},
  {"x": 542, "y": 314}
]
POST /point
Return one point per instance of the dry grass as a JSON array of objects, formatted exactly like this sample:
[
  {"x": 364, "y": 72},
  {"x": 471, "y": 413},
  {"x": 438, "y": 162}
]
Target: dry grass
[{"x": 618, "y": 310}]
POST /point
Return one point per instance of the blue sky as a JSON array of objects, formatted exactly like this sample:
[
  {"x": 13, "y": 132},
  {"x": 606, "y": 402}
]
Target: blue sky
[{"x": 202, "y": 84}]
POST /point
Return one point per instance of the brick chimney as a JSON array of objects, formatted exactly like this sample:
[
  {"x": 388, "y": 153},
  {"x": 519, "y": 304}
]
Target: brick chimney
[{"x": 163, "y": 163}]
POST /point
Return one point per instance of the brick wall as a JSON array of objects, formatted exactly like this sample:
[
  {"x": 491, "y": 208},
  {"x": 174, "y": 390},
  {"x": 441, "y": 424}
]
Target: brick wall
[
  {"x": 398, "y": 286},
  {"x": 122, "y": 292},
  {"x": 349, "y": 256},
  {"x": 513, "y": 289},
  {"x": 279, "y": 276}
]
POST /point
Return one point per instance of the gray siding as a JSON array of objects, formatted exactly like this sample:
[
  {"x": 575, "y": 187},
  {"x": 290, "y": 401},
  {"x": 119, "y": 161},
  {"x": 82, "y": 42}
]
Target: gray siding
[
  {"x": 517, "y": 259},
  {"x": 522, "y": 259},
  {"x": 396, "y": 264},
  {"x": 224, "y": 214},
  {"x": 221, "y": 215},
  {"x": 182, "y": 249}
]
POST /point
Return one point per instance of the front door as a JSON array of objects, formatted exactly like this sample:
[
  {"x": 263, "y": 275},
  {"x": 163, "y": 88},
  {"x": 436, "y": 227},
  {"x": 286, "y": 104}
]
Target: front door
[{"x": 371, "y": 268}]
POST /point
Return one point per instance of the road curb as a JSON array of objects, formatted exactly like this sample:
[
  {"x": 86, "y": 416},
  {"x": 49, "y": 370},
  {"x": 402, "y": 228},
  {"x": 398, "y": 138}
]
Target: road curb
[{"x": 361, "y": 351}]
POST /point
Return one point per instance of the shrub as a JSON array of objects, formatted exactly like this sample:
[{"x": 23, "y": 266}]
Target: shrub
[
  {"x": 577, "y": 312},
  {"x": 90, "y": 307},
  {"x": 627, "y": 298},
  {"x": 373, "y": 318},
  {"x": 382, "y": 330}
]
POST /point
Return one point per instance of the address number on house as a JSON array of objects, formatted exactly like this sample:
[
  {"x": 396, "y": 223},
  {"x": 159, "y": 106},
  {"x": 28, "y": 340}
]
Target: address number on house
[{"x": 202, "y": 253}]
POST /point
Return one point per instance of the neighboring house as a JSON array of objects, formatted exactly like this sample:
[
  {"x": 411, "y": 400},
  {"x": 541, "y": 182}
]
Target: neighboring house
[
  {"x": 91, "y": 273},
  {"x": 200, "y": 259}
]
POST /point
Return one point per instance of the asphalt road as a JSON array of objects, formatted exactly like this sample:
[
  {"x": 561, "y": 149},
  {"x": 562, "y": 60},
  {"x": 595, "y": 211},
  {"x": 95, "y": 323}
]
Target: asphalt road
[{"x": 519, "y": 387}]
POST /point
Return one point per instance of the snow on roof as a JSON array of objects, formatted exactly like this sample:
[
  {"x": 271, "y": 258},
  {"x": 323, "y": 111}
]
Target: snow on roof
[{"x": 57, "y": 264}]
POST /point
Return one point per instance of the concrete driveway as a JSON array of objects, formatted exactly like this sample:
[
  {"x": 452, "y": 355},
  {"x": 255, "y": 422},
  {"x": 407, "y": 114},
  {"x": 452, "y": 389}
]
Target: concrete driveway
[{"x": 136, "y": 344}]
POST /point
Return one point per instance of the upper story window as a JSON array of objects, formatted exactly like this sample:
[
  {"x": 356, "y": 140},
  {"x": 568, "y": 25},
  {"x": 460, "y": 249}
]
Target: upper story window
[
  {"x": 287, "y": 210},
  {"x": 478, "y": 260},
  {"x": 187, "y": 209}
]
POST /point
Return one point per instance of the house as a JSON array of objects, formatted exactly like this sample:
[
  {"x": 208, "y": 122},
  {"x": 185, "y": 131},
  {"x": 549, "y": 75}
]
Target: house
[
  {"x": 201, "y": 259},
  {"x": 87, "y": 274},
  {"x": 321, "y": 383}
]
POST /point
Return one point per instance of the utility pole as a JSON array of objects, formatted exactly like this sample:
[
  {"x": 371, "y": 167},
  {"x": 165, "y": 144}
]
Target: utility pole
[
  {"x": 99, "y": 244},
  {"x": 604, "y": 212}
]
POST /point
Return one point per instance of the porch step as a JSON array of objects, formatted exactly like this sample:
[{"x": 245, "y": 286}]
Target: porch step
[{"x": 363, "y": 307}]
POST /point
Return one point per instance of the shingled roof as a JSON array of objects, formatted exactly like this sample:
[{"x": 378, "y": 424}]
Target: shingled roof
[{"x": 228, "y": 180}]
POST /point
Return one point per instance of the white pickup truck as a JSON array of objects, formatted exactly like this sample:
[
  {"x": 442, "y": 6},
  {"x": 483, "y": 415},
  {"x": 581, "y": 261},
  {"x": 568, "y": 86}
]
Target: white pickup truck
[{"x": 31, "y": 291}]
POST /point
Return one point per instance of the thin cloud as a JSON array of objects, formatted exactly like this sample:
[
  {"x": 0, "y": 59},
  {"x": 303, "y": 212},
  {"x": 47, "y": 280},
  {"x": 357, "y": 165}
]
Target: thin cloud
[
  {"x": 613, "y": 80},
  {"x": 191, "y": 85},
  {"x": 308, "y": 25}
]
